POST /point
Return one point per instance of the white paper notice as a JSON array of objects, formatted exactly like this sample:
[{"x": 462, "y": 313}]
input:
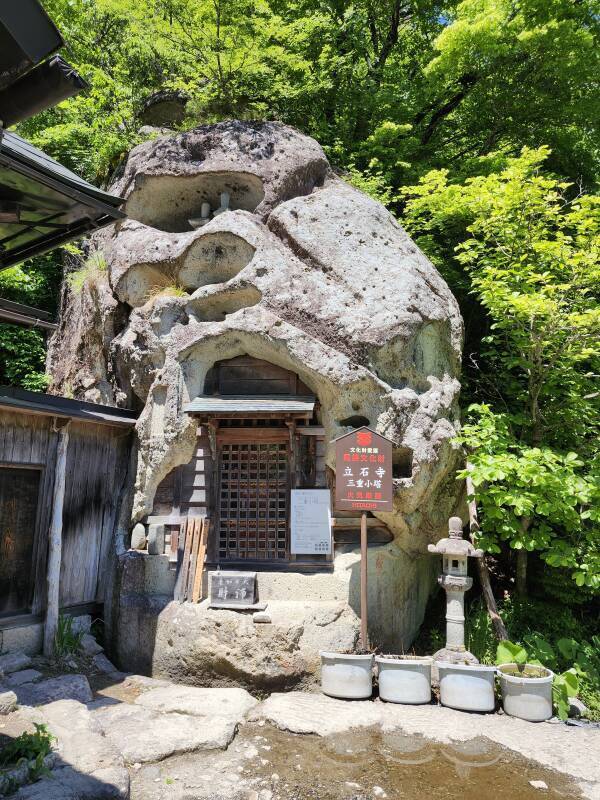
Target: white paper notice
[{"x": 311, "y": 521}]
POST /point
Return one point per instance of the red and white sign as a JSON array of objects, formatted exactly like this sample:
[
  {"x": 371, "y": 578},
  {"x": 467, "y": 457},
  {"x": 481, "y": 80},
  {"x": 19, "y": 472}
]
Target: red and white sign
[{"x": 363, "y": 472}]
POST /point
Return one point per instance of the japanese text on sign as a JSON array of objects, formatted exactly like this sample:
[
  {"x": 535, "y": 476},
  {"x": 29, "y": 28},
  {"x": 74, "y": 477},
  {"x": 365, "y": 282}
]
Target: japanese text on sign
[{"x": 363, "y": 479}]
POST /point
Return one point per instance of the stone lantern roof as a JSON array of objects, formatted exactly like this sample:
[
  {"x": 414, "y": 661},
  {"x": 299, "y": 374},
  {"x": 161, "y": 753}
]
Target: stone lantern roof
[{"x": 455, "y": 545}]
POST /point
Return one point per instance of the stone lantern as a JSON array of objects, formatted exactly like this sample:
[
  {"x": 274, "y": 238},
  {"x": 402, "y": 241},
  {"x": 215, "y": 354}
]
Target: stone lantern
[{"x": 454, "y": 578}]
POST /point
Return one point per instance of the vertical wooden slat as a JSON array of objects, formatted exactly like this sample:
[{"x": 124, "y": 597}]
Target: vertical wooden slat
[
  {"x": 196, "y": 531},
  {"x": 185, "y": 566},
  {"x": 197, "y": 587},
  {"x": 55, "y": 543}
]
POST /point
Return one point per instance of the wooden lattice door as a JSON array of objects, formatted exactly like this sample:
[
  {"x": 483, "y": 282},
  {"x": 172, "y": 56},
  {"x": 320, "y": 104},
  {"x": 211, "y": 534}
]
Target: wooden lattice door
[{"x": 253, "y": 498}]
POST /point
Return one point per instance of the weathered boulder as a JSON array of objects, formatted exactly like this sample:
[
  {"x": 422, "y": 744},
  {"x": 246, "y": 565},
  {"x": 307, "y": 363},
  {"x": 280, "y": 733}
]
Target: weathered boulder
[
  {"x": 308, "y": 273},
  {"x": 8, "y": 702},
  {"x": 218, "y": 647}
]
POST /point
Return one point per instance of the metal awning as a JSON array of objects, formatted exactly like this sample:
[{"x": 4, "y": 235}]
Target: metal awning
[
  {"x": 49, "y": 405},
  {"x": 20, "y": 314},
  {"x": 27, "y": 35},
  {"x": 43, "y": 204},
  {"x": 251, "y": 406}
]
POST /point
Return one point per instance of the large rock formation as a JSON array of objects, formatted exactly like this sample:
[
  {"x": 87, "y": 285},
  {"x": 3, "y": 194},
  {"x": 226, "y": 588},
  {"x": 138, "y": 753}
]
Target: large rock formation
[{"x": 305, "y": 272}]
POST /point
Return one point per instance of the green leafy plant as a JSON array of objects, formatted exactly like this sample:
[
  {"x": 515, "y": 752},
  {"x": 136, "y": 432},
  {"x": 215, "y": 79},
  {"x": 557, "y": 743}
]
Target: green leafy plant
[
  {"x": 67, "y": 641},
  {"x": 28, "y": 746},
  {"x": 564, "y": 686}
]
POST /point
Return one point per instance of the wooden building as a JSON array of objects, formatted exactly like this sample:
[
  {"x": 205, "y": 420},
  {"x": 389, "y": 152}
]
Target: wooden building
[
  {"x": 95, "y": 465},
  {"x": 259, "y": 437}
]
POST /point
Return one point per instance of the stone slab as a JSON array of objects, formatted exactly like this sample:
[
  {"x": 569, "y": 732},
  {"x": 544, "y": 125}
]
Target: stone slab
[
  {"x": 142, "y": 735},
  {"x": 102, "y": 663},
  {"x": 65, "y": 687},
  {"x": 80, "y": 741},
  {"x": 210, "y": 703},
  {"x": 13, "y": 662},
  {"x": 68, "y": 784},
  {"x": 89, "y": 646},
  {"x": 23, "y": 676}
]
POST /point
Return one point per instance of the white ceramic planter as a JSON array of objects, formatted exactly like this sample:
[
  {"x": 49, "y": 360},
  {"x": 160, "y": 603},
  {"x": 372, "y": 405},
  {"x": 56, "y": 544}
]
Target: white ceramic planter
[
  {"x": 404, "y": 680},
  {"x": 468, "y": 687},
  {"x": 346, "y": 675},
  {"x": 525, "y": 697}
]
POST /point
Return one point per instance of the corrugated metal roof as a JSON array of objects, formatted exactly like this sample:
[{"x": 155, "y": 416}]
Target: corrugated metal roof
[{"x": 232, "y": 404}]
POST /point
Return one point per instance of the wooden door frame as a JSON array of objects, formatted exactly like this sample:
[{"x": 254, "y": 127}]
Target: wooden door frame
[
  {"x": 250, "y": 435},
  {"x": 38, "y": 553}
]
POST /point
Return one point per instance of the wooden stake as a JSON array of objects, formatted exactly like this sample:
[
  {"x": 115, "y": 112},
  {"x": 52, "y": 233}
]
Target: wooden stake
[
  {"x": 55, "y": 542},
  {"x": 197, "y": 588},
  {"x": 364, "y": 635},
  {"x": 482, "y": 570}
]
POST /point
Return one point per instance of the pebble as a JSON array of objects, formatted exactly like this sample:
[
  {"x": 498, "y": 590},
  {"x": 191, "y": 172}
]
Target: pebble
[
  {"x": 539, "y": 785},
  {"x": 379, "y": 792},
  {"x": 352, "y": 785}
]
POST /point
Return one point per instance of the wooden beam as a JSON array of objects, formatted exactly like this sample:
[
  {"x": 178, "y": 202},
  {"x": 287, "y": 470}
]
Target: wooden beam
[
  {"x": 55, "y": 542},
  {"x": 310, "y": 430}
]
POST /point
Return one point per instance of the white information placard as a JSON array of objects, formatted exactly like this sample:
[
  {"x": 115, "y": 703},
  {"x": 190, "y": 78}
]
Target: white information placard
[{"x": 311, "y": 522}]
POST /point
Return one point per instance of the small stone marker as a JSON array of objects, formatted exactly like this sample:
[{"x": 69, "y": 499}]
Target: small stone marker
[
  {"x": 138, "y": 537},
  {"x": 156, "y": 539},
  {"x": 232, "y": 589}
]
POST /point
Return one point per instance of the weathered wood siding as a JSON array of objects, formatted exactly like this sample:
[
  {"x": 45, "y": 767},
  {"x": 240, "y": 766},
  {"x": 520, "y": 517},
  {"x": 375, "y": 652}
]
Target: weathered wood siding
[{"x": 96, "y": 464}]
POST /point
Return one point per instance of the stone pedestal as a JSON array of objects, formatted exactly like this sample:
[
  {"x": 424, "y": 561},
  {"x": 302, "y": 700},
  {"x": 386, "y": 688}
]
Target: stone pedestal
[{"x": 455, "y": 582}]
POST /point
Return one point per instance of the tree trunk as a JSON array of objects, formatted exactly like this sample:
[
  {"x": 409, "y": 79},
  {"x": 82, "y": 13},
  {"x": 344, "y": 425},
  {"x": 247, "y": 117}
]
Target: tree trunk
[
  {"x": 521, "y": 580},
  {"x": 482, "y": 569},
  {"x": 55, "y": 542}
]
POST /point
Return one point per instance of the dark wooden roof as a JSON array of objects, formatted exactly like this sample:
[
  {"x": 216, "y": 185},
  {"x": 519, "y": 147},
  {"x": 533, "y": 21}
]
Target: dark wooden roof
[
  {"x": 14, "y": 399},
  {"x": 216, "y": 405}
]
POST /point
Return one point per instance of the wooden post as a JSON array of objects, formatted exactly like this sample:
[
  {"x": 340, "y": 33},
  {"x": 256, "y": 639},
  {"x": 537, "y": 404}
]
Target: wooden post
[
  {"x": 364, "y": 634},
  {"x": 482, "y": 570},
  {"x": 55, "y": 541}
]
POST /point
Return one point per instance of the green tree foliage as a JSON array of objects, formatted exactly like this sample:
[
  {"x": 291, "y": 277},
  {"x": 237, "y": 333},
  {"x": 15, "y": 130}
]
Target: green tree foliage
[
  {"x": 441, "y": 98},
  {"x": 531, "y": 258}
]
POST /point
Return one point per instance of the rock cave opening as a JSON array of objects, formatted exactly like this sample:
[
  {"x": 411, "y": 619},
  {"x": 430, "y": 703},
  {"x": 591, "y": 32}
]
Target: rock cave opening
[
  {"x": 402, "y": 462},
  {"x": 215, "y": 258},
  {"x": 215, "y": 307},
  {"x": 169, "y": 202},
  {"x": 355, "y": 421}
]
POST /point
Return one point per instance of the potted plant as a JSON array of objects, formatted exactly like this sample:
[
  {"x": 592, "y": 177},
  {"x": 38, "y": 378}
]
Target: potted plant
[
  {"x": 467, "y": 686},
  {"x": 405, "y": 678},
  {"x": 529, "y": 688},
  {"x": 347, "y": 675}
]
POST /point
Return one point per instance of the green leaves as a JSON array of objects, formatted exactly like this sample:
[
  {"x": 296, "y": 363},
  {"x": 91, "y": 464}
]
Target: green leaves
[{"x": 510, "y": 653}]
